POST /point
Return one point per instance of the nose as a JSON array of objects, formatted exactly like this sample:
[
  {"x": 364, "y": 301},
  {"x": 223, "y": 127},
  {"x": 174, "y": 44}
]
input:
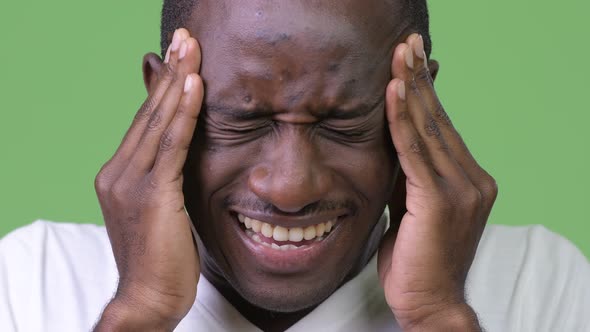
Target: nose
[{"x": 293, "y": 176}]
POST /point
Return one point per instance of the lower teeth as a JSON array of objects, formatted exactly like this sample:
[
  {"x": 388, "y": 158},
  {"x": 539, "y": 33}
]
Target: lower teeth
[{"x": 285, "y": 247}]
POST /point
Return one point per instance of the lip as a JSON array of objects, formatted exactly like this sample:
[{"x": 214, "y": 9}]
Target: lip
[
  {"x": 287, "y": 261},
  {"x": 291, "y": 221}
]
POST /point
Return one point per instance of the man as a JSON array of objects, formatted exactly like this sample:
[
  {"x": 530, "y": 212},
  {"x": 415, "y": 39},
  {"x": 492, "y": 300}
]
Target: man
[{"x": 284, "y": 129}]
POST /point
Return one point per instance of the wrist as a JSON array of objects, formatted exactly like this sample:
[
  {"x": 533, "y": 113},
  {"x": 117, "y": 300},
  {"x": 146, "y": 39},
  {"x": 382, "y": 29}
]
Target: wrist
[
  {"x": 457, "y": 317},
  {"x": 120, "y": 315}
]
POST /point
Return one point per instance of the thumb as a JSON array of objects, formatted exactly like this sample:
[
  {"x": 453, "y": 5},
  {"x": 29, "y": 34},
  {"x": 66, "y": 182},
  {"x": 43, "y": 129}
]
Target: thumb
[
  {"x": 385, "y": 253},
  {"x": 397, "y": 202},
  {"x": 397, "y": 209}
]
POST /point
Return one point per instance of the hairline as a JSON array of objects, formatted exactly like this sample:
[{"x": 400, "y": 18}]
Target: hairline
[{"x": 176, "y": 13}]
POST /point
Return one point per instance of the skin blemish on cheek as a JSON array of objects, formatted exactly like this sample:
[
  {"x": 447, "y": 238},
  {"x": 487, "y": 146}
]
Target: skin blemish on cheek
[
  {"x": 333, "y": 67},
  {"x": 282, "y": 37},
  {"x": 286, "y": 75}
]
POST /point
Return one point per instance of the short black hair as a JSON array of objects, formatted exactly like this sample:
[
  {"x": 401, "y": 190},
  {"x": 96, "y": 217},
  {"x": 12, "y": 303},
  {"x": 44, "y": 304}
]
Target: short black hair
[{"x": 175, "y": 14}]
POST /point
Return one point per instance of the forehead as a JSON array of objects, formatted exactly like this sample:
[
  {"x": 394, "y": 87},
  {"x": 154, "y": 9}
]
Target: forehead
[{"x": 289, "y": 54}]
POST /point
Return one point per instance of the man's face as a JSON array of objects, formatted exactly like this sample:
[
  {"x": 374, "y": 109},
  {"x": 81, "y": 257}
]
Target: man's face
[{"x": 292, "y": 134}]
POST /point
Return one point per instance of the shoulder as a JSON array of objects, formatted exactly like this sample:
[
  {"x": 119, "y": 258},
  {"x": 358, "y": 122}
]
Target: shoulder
[
  {"x": 529, "y": 278},
  {"x": 509, "y": 245},
  {"x": 50, "y": 272},
  {"x": 528, "y": 249},
  {"x": 47, "y": 233},
  {"x": 59, "y": 242},
  {"x": 42, "y": 240}
]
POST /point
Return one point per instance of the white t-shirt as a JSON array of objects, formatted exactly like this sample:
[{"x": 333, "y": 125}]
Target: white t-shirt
[{"x": 59, "y": 277}]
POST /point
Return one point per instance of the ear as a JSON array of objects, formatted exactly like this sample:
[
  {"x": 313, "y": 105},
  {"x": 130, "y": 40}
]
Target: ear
[
  {"x": 152, "y": 66},
  {"x": 433, "y": 66}
]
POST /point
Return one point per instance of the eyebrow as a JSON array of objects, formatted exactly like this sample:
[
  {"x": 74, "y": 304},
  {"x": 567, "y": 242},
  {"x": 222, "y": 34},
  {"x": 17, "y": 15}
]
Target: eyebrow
[
  {"x": 238, "y": 114},
  {"x": 355, "y": 112},
  {"x": 339, "y": 113}
]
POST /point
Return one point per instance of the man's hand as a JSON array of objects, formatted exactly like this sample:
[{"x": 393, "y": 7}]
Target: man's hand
[
  {"x": 140, "y": 193},
  {"x": 423, "y": 264}
]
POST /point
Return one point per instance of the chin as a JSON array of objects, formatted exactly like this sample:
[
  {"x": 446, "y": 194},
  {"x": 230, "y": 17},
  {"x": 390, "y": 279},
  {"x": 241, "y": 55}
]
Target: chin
[{"x": 284, "y": 297}]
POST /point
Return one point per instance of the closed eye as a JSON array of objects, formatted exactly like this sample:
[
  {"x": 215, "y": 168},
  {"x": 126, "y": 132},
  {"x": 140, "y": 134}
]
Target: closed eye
[
  {"x": 224, "y": 133},
  {"x": 248, "y": 129},
  {"x": 350, "y": 135}
]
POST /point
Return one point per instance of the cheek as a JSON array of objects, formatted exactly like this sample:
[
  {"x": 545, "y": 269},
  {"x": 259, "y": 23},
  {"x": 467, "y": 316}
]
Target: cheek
[
  {"x": 368, "y": 168},
  {"x": 368, "y": 171},
  {"x": 211, "y": 170}
]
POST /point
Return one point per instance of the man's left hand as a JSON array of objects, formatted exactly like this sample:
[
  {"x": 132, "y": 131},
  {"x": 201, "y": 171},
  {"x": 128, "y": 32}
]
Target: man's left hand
[{"x": 423, "y": 263}]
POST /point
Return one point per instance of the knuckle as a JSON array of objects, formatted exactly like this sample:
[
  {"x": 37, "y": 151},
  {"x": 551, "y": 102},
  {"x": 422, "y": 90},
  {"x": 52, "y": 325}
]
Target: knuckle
[
  {"x": 150, "y": 184},
  {"x": 167, "y": 72},
  {"x": 418, "y": 146},
  {"x": 120, "y": 192},
  {"x": 104, "y": 178},
  {"x": 145, "y": 109},
  {"x": 102, "y": 183},
  {"x": 431, "y": 128},
  {"x": 470, "y": 198},
  {"x": 443, "y": 147},
  {"x": 171, "y": 73},
  {"x": 490, "y": 187},
  {"x": 423, "y": 78},
  {"x": 167, "y": 141},
  {"x": 441, "y": 115},
  {"x": 155, "y": 120}
]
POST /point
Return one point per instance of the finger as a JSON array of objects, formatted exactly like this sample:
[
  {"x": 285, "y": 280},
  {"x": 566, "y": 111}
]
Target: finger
[
  {"x": 455, "y": 145},
  {"x": 137, "y": 128},
  {"x": 443, "y": 163},
  {"x": 176, "y": 139},
  {"x": 425, "y": 86},
  {"x": 411, "y": 149},
  {"x": 188, "y": 58}
]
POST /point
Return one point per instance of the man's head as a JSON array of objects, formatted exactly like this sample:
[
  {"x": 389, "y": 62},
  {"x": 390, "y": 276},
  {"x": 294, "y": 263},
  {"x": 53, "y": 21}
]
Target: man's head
[{"x": 292, "y": 133}]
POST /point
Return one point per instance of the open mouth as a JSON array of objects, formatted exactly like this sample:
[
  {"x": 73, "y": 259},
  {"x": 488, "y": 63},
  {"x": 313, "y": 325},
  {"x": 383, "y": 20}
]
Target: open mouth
[{"x": 285, "y": 238}]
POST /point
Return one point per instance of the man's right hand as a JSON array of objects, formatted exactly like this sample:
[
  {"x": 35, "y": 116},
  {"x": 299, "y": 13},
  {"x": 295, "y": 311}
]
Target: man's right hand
[{"x": 140, "y": 193}]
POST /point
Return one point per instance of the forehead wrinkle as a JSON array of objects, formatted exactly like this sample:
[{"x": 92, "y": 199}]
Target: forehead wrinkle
[{"x": 352, "y": 109}]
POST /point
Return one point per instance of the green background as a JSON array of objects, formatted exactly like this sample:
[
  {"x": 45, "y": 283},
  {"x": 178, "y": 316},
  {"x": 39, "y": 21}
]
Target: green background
[{"x": 513, "y": 78}]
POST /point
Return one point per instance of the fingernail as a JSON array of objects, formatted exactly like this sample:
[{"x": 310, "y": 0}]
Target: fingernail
[
  {"x": 188, "y": 83},
  {"x": 175, "y": 41},
  {"x": 401, "y": 90},
  {"x": 409, "y": 57},
  {"x": 183, "y": 50},
  {"x": 419, "y": 47}
]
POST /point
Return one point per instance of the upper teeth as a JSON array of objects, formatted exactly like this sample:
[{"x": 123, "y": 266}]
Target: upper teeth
[{"x": 279, "y": 233}]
